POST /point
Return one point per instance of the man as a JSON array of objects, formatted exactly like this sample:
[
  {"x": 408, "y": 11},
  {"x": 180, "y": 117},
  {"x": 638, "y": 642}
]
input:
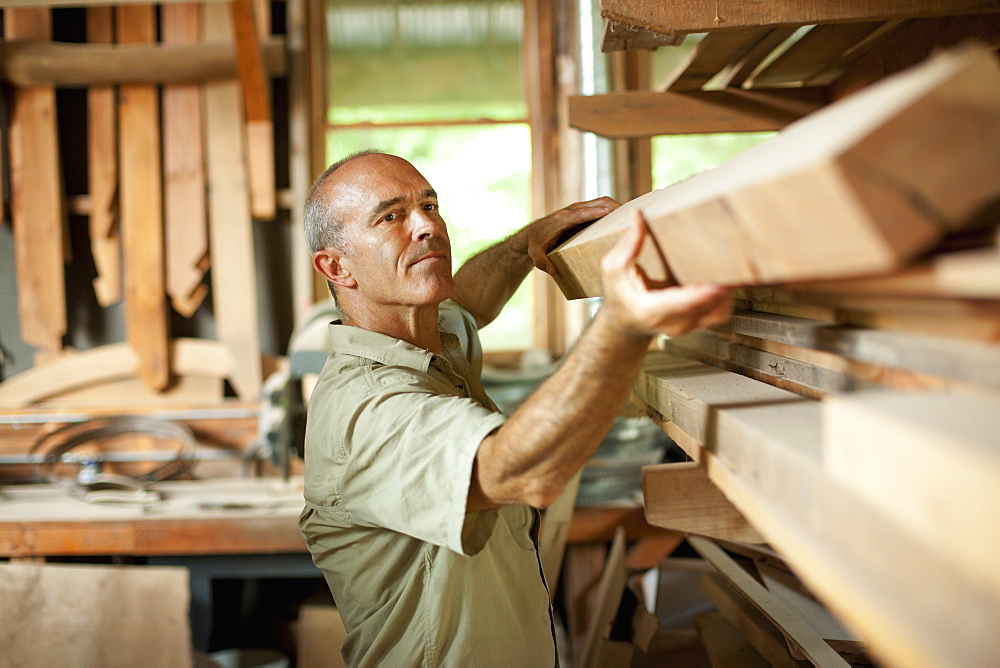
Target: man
[{"x": 420, "y": 496}]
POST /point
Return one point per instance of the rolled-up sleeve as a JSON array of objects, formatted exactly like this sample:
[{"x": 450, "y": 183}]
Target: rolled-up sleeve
[{"x": 410, "y": 453}]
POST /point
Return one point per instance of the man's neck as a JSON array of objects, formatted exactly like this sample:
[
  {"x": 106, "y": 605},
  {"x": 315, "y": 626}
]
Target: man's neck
[{"x": 417, "y": 325}]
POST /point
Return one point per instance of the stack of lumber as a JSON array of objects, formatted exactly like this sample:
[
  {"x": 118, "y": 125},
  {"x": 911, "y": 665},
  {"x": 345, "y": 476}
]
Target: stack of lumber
[
  {"x": 180, "y": 161},
  {"x": 848, "y": 412}
]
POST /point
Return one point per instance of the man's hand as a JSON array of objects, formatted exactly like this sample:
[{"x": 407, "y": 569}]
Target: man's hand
[
  {"x": 545, "y": 232},
  {"x": 640, "y": 309}
]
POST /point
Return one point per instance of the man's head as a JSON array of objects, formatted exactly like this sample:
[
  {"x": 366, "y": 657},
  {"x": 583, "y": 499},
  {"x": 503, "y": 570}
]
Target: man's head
[{"x": 375, "y": 233}]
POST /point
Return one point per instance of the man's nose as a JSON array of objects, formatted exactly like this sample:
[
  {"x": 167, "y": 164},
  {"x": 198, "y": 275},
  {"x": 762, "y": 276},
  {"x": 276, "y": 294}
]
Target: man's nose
[{"x": 427, "y": 224}]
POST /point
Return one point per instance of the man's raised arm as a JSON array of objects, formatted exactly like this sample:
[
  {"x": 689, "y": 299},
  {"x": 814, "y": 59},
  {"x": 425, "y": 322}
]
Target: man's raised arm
[
  {"x": 551, "y": 435},
  {"x": 485, "y": 283}
]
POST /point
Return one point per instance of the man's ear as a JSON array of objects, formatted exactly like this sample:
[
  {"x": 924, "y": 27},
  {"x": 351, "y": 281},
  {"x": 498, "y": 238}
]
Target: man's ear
[{"x": 328, "y": 262}]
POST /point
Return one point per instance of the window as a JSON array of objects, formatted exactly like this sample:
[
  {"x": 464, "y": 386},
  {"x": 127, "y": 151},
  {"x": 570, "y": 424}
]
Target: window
[{"x": 439, "y": 83}]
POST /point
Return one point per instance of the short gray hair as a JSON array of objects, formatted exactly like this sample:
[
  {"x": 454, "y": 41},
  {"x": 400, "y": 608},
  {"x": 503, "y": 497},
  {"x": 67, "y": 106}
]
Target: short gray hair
[{"x": 323, "y": 227}]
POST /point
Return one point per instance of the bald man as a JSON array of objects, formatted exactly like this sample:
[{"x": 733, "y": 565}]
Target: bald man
[{"x": 421, "y": 497}]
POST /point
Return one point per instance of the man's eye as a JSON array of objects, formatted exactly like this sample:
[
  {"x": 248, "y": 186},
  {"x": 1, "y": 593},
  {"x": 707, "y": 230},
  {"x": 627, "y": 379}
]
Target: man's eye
[
  {"x": 389, "y": 217},
  {"x": 430, "y": 207}
]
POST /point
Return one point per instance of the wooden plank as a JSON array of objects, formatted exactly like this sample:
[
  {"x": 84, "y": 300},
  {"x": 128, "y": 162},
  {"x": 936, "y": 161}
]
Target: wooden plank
[
  {"x": 709, "y": 57},
  {"x": 185, "y": 223},
  {"x": 846, "y": 641},
  {"x": 813, "y": 53},
  {"x": 73, "y": 371},
  {"x": 647, "y": 114},
  {"x": 234, "y": 294},
  {"x": 102, "y": 170},
  {"x": 795, "y": 629},
  {"x": 138, "y": 614},
  {"x": 725, "y": 646},
  {"x": 37, "y": 62},
  {"x": 681, "y": 497},
  {"x": 916, "y": 458},
  {"x": 839, "y": 64},
  {"x": 969, "y": 361},
  {"x": 36, "y": 198},
  {"x": 741, "y": 70},
  {"x": 84, "y": 3},
  {"x": 146, "y": 317},
  {"x": 838, "y": 188},
  {"x": 609, "y": 597},
  {"x": 758, "y": 630},
  {"x": 707, "y": 16},
  {"x": 257, "y": 99},
  {"x": 621, "y": 37},
  {"x": 767, "y": 458}
]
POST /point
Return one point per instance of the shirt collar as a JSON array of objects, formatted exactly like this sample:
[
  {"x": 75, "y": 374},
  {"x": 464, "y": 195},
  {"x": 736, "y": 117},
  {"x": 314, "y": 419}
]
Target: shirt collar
[{"x": 350, "y": 340}]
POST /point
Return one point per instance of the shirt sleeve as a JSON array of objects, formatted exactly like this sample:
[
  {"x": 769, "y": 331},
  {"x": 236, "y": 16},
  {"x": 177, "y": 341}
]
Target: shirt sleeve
[{"x": 410, "y": 452}]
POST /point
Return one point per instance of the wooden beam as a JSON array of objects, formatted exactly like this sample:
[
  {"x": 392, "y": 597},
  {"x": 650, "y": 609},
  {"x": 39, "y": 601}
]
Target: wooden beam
[
  {"x": 102, "y": 170},
  {"x": 36, "y": 198},
  {"x": 186, "y": 225},
  {"x": 682, "y": 498},
  {"x": 609, "y": 597},
  {"x": 37, "y": 62},
  {"x": 766, "y": 455},
  {"x": 725, "y": 646},
  {"x": 257, "y": 98},
  {"x": 649, "y": 114},
  {"x": 75, "y": 371},
  {"x": 795, "y": 629},
  {"x": 838, "y": 188},
  {"x": 812, "y": 54},
  {"x": 759, "y": 631},
  {"x": 146, "y": 316},
  {"x": 739, "y": 71},
  {"x": 969, "y": 361},
  {"x": 705, "y": 16},
  {"x": 622, "y": 37},
  {"x": 711, "y": 55},
  {"x": 916, "y": 458},
  {"x": 234, "y": 293}
]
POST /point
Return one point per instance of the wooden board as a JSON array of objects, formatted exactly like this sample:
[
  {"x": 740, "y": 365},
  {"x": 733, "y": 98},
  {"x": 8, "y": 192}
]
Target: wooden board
[
  {"x": 234, "y": 293},
  {"x": 838, "y": 188},
  {"x": 184, "y": 215},
  {"x": 609, "y": 596},
  {"x": 766, "y": 456},
  {"x": 36, "y": 198},
  {"x": 706, "y": 16},
  {"x": 971, "y": 362},
  {"x": 116, "y": 361},
  {"x": 146, "y": 316},
  {"x": 257, "y": 99},
  {"x": 648, "y": 114},
  {"x": 799, "y": 633},
  {"x": 38, "y": 62},
  {"x": 914, "y": 457},
  {"x": 621, "y": 37},
  {"x": 554, "y": 531},
  {"x": 115, "y": 615},
  {"x": 681, "y": 497},
  {"x": 102, "y": 170},
  {"x": 739, "y": 71},
  {"x": 709, "y": 57},
  {"x": 759, "y": 631}
]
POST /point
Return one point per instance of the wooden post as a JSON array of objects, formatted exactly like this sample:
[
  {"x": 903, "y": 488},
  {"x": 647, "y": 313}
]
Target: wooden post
[
  {"x": 146, "y": 321},
  {"x": 36, "y": 198}
]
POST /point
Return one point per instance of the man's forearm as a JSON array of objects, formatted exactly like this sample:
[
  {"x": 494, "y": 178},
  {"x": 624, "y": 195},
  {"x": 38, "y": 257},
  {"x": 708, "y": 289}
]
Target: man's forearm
[
  {"x": 487, "y": 281},
  {"x": 550, "y": 436}
]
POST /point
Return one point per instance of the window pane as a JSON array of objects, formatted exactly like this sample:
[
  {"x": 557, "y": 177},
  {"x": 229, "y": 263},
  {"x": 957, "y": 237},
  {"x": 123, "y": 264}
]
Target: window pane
[
  {"x": 482, "y": 176},
  {"x": 408, "y": 62}
]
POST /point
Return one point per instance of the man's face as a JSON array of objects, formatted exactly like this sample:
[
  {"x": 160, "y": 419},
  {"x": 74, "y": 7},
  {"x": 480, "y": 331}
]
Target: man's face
[{"x": 397, "y": 246}]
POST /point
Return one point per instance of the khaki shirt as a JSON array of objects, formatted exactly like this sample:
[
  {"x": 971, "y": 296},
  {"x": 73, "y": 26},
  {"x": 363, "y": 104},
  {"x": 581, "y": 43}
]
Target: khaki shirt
[{"x": 391, "y": 437}]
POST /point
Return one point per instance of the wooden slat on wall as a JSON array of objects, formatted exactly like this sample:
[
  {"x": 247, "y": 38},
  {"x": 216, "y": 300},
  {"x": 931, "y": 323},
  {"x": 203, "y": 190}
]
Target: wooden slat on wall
[
  {"x": 710, "y": 56},
  {"x": 102, "y": 164},
  {"x": 36, "y": 197},
  {"x": 840, "y": 188},
  {"x": 703, "y": 16},
  {"x": 234, "y": 294},
  {"x": 146, "y": 323},
  {"x": 186, "y": 225}
]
